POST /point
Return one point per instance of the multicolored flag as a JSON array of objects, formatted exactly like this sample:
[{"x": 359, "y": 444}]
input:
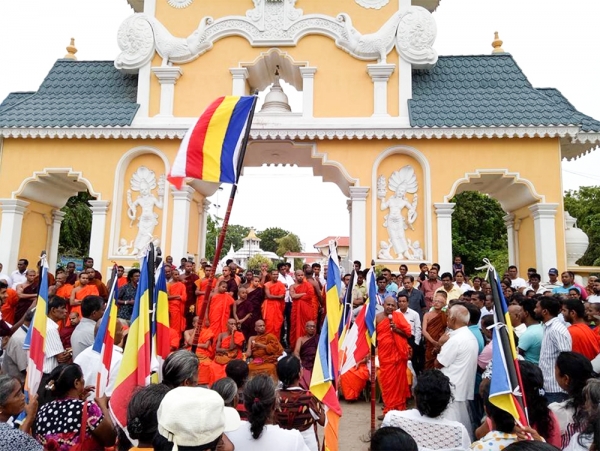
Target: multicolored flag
[
  {"x": 135, "y": 366},
  {"x": 213, "y": 146},
  {"x": 161, "y": 334},
  {"x": 36, "y": 335},
  {"x": 323, "y": 384},
  {"x": 105, "y": 338},
  {"x": 506, "y": 385}
]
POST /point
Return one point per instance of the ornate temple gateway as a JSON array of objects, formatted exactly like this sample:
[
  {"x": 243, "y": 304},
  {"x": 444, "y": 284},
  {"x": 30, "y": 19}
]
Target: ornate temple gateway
[{"x": 398, "y": 128}]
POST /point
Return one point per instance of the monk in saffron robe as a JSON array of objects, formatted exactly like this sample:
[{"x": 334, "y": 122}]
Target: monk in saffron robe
[
  {"x": 306, "y": 351},
  {"x": 303, "y": 309},
  {"x": 84, "y": 289},
  {"x": 229, "y": 347},
  {"x": 9, "y": 306},
  {"x": 434, "y": 326},
  {"x": 274, "y": 305},
  {"x": 354, "y": 381},
  {"x": 219, "y": 309},
  {"x": 203, "y": 349},
  {"x": 27, "y": 292},
  {"x": 203, "y": 291},
  {"x": 247, "y": 309},
  {"x": 177, "y": 299},
  {"x": 264, "y": 349},
  {"x": 393, "y": 332},
  {"x": 97, "y": 282}
]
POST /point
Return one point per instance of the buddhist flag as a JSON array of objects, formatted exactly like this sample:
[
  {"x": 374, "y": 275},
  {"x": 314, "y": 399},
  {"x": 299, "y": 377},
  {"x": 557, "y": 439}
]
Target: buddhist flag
[
  {"x": 214, "y": 146},
  {"x": 161, "y": 334},
  {"x": 323, "y": 384},
  {"x": 505, "y": 387},
  {"x": 135, "y": 367},
  {"x": 105, "y": 338},
  {"x": 36, "y": 336}
]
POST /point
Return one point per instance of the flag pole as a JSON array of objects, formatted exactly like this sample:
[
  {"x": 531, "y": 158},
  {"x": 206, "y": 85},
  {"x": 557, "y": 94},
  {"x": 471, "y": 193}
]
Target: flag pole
[
  {"x": 373, "y": 371},
  {"x": 203, "y": 315}
]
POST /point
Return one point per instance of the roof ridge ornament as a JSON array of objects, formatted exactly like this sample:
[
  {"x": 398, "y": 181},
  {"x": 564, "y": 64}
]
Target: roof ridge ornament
[
  {"x": 497, "y": 44},
  {"x": 71, "y": 51}
]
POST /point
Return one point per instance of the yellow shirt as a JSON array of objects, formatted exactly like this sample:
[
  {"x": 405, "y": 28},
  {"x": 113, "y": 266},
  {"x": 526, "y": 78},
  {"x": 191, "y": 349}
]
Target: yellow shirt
[{"x": 454, "y": 293}]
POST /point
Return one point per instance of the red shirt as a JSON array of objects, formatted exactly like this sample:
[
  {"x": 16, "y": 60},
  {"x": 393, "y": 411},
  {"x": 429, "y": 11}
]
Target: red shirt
[{"x": 585, "y": 340}]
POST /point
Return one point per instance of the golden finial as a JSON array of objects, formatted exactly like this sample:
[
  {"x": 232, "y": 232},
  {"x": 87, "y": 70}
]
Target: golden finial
[
  {"x": 72, "y": 50},
  {"x": 497, "y": 44}
]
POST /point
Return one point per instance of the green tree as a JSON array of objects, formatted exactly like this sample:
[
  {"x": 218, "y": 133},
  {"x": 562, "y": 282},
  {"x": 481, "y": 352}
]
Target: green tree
[
  {"x": 269, "y": 236},
  {"x": 255, "y": 261},
  {"x": 478, "y": 231},
  {"x": 288, "y": 243},
  {"x": 584, "y": 204},
  {"x": 235, "y": 235},
  {"x": 74, "y": 240}
]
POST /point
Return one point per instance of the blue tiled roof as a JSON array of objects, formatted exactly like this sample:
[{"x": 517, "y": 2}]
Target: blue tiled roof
[
  {"x": 75, "y": 94},
  {"x": 486, "y": 91}
]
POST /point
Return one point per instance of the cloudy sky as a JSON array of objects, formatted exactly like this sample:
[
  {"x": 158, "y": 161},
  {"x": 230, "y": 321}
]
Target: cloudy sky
[{"x": 554, "y": 42}]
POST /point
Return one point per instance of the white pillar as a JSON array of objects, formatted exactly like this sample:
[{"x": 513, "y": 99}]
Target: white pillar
[
  {"x": 349, "y": 206},
  {"x": 380, "y": 74},
  {"x": 99, "y": 209},
  {"x": 10, "y": 231},
  {"x": 182, "y": 200},
  {"x": 203, "y": 221},
  {"x": 544, "y": 217},
  {"x": 509, "y": 221},
  {"x": 444, "y": 234},
  {"x": 167, "y": 77},
  {"x": 405, "y": 87},
  {"x": 240, "y": 75},
  {"x": 57, "y": 219},
  {"x": 358, "y": 225},
  {"x": 308, "y": 90}
]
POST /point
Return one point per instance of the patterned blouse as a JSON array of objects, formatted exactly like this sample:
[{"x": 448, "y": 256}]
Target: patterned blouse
[
  {"x": 12, "y": 439},
  {"x": 126, "y": 293},
  {"x": 494, "y": 441},
  {"x": 297, "y": 409},
  {"x": 60, "y": 421}
]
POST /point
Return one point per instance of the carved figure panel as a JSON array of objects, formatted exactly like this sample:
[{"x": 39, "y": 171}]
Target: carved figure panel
[
  {"x": 373, "y": 4},
  {"x": 400, "y": 222}
]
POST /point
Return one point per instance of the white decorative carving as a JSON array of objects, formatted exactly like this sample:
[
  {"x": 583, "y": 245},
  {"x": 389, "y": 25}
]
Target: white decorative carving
[
  {"x": 415, "y": 38},
  {"x": 180, "y": 3},
  {"x": 576, "y": 240},
  {"x": 139, "y": 35},
  {"x": 123, "y": 248},
  {"x": 401, "y": 182},
  {"x": 144, "y": 181},
  {"x": 273, "y": 23},
  {"x": 373, "y": 4}
]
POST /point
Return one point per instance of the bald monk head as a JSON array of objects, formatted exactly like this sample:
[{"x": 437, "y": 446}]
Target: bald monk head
[
  {"x": 389, "y": 305},
  {"x": 299, "y": 276},
  {"x": 310, "y": 328},
  {"x": 458, "y": 316},
  {"x": 274, "y": 275},
  {"x": 259, "y": 327},
  {"x": 222, "y": 287}
]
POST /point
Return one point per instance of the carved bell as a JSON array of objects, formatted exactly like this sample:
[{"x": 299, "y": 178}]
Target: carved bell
[{"x": 276, "y": 101}]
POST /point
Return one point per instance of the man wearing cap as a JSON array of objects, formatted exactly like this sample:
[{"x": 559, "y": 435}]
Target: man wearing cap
[
  {"x": 553, "y": 281},
  {"x": 195, "y": 417}
]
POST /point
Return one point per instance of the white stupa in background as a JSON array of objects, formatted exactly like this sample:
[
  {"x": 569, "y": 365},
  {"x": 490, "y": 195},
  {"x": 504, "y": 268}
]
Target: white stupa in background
[{"x": 249, "y": 249}]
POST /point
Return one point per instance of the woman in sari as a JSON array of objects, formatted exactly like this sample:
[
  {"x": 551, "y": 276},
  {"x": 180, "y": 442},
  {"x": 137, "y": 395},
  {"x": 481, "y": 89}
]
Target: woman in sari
[
  {"x": 247, "y": 310},
  {"x": 126, "y": 297}
]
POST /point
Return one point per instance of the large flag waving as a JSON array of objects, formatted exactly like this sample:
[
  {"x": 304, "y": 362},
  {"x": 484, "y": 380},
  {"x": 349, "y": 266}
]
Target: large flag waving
[
  {"x": 161, "y": 334},
  {"x": 135, "y": 367},
  {"x": 36, "y": 335},
  {"x": 506, "y": 385},
  {"x": 214, "y": 145},
  {"x": 323, "y": 384},
  {"x": 105, "y": 338}
]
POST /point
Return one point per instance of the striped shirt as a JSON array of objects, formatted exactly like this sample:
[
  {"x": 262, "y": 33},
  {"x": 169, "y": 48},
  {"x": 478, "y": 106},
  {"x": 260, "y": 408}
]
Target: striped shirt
[
  {"x": 556, "y": 340},
  {"x": 53, "y": 346}
]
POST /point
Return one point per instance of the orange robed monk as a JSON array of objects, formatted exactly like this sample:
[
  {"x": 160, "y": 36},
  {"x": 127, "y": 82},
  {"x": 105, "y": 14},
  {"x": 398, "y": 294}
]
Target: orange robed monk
[
  {"x": 302, "y": 294},
  {"x": 274, "y": 304},
  {"x": 265, "y": 349},
  {"x": 229, "y": 347},
  {"x": 177, "y": 298},
  {"x": 203, "y": 349},
  {"x": 393, "y": 351},
  {"x": 9, "y": 306},
  {"x": 219, "y": 309},
  {"x": 84, "y": 289},
  {"x": 202, "y": 290}
]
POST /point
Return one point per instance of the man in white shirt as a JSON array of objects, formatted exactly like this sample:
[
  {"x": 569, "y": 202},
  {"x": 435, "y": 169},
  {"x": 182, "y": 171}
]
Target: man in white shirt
[
  {"x": 534, "y": 284},
  {"x": 595, "y": 297},
  {"x": 14, "y": 361},
  {"x": 458, "y": 360},
  {"x": 92, "y": 308},
  {"x": 90, "y": 363},
  {"x": 515, "y": 281},
  {"x": 285, "y": 278},
  {"x": 413, "y": 318},
  {"x": 20, "y": 275}
]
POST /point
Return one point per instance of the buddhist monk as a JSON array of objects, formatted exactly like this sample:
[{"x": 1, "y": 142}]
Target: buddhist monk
[
  {"x": 317, "y": 300},
  {"x": 177, "y": 298},
  {"x": 393, "y": 332},
  {"x": 84, "y": 289},
  {"x": 27, "y": 292},
  {"x": 303, "y": 295},
  {"x": 61, "y": 288},
  {"x": 203, "y": 349},
  {"x": 190, "y": 284},
  {"x": 306, "y": 350},
  {"x": 92, "y": 280},
  {"x": 434, "y": 326},
  {"x": 354, "y": 381},
  {"x": 247, "y": 309},
  {"x": 202, "y": 290},
  {"x": 274, "y": 305},
  {"x": 9, "y": 306},
  {"x": 264, "y": 349},
  {"x": 219, "y": 309},
  {"x": 229, "y": 347}
]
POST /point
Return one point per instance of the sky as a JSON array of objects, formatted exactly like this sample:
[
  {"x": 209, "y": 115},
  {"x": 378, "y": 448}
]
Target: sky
[{"x": 555, "y": 43}]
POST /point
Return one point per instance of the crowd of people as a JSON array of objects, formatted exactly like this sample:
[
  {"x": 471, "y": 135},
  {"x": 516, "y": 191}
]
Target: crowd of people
[{"x": 244, "y": 345}]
